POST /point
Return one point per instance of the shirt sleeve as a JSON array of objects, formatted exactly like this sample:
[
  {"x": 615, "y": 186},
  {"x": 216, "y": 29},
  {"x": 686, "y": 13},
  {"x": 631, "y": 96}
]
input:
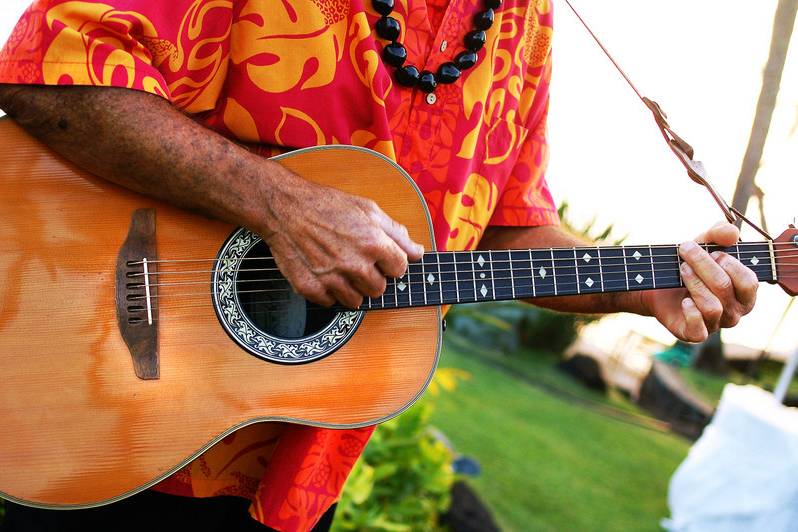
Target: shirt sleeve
[
  {"x": 179, "y": 52},
  {"x": 526, "y": 199}
]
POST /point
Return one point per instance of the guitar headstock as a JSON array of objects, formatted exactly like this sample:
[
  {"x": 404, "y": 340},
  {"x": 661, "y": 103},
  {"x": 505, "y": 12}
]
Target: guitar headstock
[{"x": 786, "y": 251}]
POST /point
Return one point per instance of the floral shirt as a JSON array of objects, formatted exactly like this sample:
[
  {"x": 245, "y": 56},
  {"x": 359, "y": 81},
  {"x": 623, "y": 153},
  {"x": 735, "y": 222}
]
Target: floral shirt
[{"x": 294, "y": 73}]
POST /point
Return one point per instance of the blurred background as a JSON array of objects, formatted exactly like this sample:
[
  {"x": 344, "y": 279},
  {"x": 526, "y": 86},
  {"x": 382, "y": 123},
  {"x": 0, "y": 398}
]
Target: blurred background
[{"x": 540, "y": 421}]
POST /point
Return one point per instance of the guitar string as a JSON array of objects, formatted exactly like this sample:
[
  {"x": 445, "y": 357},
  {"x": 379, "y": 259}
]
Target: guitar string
[
  {"x": 405, "y": 301},
  {"x": 743, "y": 255},
  {"x": 630, "y": 268},
  {"x": 587, "y": 248},
  {"x": 411, "y": 284},
  {"x": 727, "y": 250}
]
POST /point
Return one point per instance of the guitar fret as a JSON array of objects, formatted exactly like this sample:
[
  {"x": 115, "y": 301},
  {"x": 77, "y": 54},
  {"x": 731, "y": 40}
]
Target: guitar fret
[
  {"x": 478, "y": 265},
  {"x": 532, "y": 269},
  {"x": 553, "y": 270},
  {"x": 502, "y": 275},
  {"x": 665, "y": 263},
  {"x": 448, "y": 278},
  {"x": 639, "y": 269},
  {"x": 440, "y": 279},
  {"x": 772, "y": 255},
  {"x": 432, "y": 276},
  {"x": 456, "y": 283},
  {"x": 758, "y": 258},
  {"x": 625, "y": 268},
  {"x": 651, "y": 258},
  {"x": 543, "y": 272},
  {"x": 614, "y": 277},
  {"x": 492, "y": 276},
  {"x": 565, "y": 272},
  {"x": 512, "y": 275},
  {"x": 417, "y": 290},
  {"x": 588, "y": 270},
  {"x": 423, "y": 279},
  {"x": 402, "y": 290},
  {"x": 523, "y": 281},
  {"x": 465, "y": 277},
  {"x": 601, "y": 268},
  {"x": 576, "y": 267}
]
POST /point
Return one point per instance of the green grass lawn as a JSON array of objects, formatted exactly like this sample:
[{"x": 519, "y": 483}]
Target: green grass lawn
[{"x": 549, "y": 462}]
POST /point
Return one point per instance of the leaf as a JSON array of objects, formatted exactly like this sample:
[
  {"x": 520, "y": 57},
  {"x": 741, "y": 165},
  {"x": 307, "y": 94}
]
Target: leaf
[{"x": 362, "y": 483}]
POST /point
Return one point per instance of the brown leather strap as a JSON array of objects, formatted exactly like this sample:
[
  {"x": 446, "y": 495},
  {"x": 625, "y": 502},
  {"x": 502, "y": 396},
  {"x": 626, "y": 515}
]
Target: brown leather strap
[{"x": 683, "y": 151}]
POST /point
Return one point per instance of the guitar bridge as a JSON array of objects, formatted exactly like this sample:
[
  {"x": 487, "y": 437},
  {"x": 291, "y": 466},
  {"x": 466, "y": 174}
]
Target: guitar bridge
[{"x": 136, "y": 294}]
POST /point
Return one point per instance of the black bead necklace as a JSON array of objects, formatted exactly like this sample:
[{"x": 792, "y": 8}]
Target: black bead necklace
[{"x": 395, "y": 54}]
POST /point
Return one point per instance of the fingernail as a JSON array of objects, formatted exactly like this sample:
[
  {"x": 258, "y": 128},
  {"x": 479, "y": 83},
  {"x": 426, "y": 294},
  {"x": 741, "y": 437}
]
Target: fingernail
[
  {"x": 686, "y": 269},
  {"x": 715, "y": 255},
  {"x": 688, "y": 246},
  {"x": 688, "y": 303}
]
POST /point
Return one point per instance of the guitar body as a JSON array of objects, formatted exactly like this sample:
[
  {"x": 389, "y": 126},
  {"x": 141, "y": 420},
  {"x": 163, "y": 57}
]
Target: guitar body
[{"x": 80, "y": 428}]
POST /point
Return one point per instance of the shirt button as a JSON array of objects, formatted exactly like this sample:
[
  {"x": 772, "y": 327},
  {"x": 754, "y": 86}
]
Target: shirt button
[
  {"x": 444, "y": 44},
  {"x": 431, "y": 98}
]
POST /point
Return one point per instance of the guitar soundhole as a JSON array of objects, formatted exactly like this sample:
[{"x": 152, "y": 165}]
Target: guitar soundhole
[
  {"x": 262, "y": 314},
  {"x": 270, "y": 303}
]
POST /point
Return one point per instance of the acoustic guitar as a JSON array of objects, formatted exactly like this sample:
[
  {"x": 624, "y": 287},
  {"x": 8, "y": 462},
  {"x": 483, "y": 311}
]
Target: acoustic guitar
[{"x": 134, "y": 335}]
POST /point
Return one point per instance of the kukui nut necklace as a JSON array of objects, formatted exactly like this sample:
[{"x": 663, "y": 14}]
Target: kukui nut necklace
[{"x": 395, "y": 54}]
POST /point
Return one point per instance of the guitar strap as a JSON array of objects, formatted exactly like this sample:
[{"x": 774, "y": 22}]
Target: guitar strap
[{"x": 683, "y": 151}]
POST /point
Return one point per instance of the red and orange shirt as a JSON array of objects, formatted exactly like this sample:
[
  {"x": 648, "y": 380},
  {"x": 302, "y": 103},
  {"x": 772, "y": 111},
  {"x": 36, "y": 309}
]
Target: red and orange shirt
[{"x": 295, "y": 73}]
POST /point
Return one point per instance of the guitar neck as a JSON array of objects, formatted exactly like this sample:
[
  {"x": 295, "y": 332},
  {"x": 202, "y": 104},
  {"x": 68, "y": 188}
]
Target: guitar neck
[{"x": 452, "y": 277}]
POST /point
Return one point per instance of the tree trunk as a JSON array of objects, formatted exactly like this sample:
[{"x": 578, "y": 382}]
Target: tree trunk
[
  {"x": 710, "y": 354},
  {"x": 783, "y": 24}
]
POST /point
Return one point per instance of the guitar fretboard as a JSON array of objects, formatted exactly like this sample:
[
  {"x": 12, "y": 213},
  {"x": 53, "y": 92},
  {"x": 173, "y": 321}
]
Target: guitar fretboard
[{"x": 443, "y": 278}]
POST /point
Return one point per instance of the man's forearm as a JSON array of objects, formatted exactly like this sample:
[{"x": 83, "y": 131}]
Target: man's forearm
[
  {"x": 141, "y": 142},
  {"x": 553, "y": 236},
  {"x": 330, "y": 245}
]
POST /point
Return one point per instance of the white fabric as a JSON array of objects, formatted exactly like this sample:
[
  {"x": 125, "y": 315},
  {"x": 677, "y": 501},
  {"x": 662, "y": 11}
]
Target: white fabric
[{"x": 742, "y": 473}]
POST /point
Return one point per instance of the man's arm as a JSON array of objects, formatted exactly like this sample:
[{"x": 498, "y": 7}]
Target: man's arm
[
  {"x": 330, "y": 245},
  {"x": 719, "y": 289}
]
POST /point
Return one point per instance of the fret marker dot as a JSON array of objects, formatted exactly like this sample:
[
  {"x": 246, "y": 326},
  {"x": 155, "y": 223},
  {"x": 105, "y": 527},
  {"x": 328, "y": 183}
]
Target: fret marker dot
[
  {"x": 430, "y": 278},
  {"x": 589, "y": 282},
  {"x": 754, "y": 261},
  {"x": 637, "y": 255},
  {"x": 401, "y": 286},
  {"x": 483, "y": 291},
  {"x": 481, "y": 261},
  {"x": 542, "y": 272},
  {"x": 481, "y": 275},
  {"x": 587, "y": 257},
  {"x": 639, "y": 278}
]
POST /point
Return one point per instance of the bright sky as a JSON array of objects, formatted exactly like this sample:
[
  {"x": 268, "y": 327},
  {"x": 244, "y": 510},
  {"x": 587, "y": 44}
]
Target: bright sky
[{"x": 702, "y": 61}]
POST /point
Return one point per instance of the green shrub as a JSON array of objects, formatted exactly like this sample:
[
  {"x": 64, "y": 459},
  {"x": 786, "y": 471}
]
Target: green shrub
[{"x": 402, "y": 481}]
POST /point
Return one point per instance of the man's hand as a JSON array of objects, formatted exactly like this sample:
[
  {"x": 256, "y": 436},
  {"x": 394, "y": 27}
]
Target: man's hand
[
  {"x": 719, "y": 290},
  {"x": 332, "y": 246},
  {"x": 329, "y": 245}
]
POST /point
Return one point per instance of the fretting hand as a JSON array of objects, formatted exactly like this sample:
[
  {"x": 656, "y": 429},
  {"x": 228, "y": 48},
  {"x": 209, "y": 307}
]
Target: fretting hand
[{"x": 719, "y": 289}]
